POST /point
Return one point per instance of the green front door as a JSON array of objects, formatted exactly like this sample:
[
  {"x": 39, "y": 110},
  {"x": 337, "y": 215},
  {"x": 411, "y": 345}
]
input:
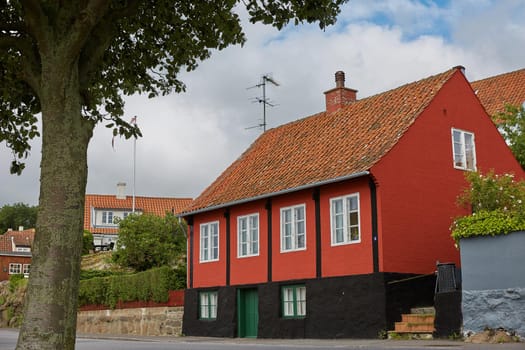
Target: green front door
[{"x": 248, "y": 312}]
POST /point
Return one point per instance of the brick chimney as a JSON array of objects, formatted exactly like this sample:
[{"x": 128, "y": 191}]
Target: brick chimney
[{"x": 340, "y": 95}]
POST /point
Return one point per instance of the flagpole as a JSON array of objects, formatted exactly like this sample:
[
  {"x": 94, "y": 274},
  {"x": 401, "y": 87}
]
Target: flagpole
[{"x": 134, "y": 120}]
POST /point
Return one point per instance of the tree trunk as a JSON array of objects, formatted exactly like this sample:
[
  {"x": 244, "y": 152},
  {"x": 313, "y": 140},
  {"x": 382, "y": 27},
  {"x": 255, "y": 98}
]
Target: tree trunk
[{"x": 52, "y": 298}]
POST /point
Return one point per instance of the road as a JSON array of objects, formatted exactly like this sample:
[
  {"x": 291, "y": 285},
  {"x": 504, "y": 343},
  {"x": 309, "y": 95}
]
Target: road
[{"x": 8, "y": 342}]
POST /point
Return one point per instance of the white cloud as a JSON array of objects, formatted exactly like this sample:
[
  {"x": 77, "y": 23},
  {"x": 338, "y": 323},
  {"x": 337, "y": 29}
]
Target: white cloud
[{"x": 190, "y": 138}]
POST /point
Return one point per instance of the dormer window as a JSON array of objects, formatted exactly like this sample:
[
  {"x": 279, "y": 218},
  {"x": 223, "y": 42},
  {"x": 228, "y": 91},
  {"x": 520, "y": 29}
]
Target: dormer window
[
  {"x": 464, "y": 150},
  {"x": 107, "y": 217}
]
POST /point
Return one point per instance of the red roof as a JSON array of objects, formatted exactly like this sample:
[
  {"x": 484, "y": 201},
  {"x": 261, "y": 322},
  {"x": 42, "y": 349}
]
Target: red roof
[
  {"x": 495, "y": 92},
  {"x": 150, "y": 205},
  {"x": 322, "y": 147},
  {"x": 21, "y": 238}
]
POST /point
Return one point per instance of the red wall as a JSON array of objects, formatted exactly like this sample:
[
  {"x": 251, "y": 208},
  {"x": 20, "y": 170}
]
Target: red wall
[
  {"x": 340, "y": 260},
  {"x": 418, "y": 184},
  {"x": 348, "y": 259},
  {"x": 295, "y": 264},
  {"x": 6, "y": 260},
  {"x": 211, "y": 273},
  {"x": 250, "y": 269}
]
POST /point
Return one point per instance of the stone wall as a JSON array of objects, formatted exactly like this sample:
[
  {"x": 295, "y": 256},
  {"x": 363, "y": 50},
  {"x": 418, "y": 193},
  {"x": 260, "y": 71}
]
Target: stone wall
[
  {"x": 154, "y": 321},
  {"x": 494, "y": 308}
]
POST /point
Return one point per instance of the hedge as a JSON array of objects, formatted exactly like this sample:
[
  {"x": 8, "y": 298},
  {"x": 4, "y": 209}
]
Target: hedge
[{"x": 151, "y": 285}]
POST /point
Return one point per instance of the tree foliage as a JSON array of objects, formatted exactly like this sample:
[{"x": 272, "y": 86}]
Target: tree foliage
[
  {"x": 119, "y": 47},
  {"x": 497, "y": 203},
  {"x": 87, "y": 242},
  {"x": 72, "y": 61},
  {"x": 511, "y": 124},
  {"x": 147, "y": 241},
  {"x": 16, "y": 215}
]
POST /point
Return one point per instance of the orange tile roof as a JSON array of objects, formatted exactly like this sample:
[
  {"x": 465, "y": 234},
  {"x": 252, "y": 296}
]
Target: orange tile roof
[
  {"x": 21, "y": 238},
  {"x": 322, "y": 147},
  {"x": 151, "y": 205},
  {"x": 495, "y": 92}
]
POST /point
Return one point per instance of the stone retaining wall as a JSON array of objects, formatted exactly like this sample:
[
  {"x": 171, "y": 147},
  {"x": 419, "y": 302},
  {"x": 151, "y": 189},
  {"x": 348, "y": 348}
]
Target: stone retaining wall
[{"x": 153, "y": 321}]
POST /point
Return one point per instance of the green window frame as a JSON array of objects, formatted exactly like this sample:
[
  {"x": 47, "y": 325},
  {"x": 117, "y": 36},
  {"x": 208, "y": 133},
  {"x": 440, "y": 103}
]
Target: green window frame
[
  {"x": 293, "y": 301},
  {"x": 208, "y": 305}
]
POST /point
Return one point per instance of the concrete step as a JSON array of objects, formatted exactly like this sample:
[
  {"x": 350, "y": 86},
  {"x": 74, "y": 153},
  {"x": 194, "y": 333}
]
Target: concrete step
[{"x": 423, "y": 310}]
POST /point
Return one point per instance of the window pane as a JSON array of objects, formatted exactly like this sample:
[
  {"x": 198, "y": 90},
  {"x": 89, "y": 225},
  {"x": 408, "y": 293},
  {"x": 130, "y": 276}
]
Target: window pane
[
  {"x": 204, "y": 242},
  {"x": 301, "y": 301},
  {"x": 215, "y": 244},
  {"x": 353, "y": 218},
  {"x": 354, "y": 233},
  {"x": 352, "y": 203},
  {"x": 213, "y": 305},
  {"x": 469, "y": 151},
  {"x": 288, "y": 302}
]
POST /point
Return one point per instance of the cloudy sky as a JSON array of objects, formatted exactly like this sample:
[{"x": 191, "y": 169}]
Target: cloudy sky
[{"x": 190, "y": 138}]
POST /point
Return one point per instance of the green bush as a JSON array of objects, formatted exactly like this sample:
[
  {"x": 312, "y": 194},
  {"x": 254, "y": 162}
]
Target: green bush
[
  {"x": 497, "y": 203},
  {"x": 16, "y": 281},
  {"x": 151, "y": 285},
  {"x": 88, "y": 274},
  {"x": 87, "y": 242},
  {"x": 487, "y": 223},
  {"x": 147, "y": 241}
]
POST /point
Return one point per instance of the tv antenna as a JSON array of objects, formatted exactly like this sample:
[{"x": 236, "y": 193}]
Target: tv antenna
[{"x": 265, "y": 101}]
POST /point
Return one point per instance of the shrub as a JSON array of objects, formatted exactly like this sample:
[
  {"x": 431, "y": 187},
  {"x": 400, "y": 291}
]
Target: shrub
[
  {"x": 151, "y": 285},
  {"x": 147, "y": 241},
  {"x": 487, "y": 223},
  {"x": 87, "y": 242},
  {"x": 15, "y": 281},
  {"x": 88, "y": 274},
  {"x": 497, "y": 203}
]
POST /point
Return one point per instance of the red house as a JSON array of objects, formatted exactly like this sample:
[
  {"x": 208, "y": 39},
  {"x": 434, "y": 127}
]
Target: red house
[
  {"x": 332, "y": 225},
  {"x": 15, "y": 252}
]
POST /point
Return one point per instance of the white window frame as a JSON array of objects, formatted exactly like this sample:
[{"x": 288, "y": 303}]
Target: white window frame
[
  {"x": 25, "y": 269},
  {"x": 106, "y": 215},
  {"x": 248, "y": 235},
  {"x": 460, "y": 150},
  {"x": 15, "y": 268},
  {"x": 23, "y": 249},
  {"x": 294, "y": 228},
  {"x": 209, "y": 251},
  {"x": 208, "y": 305},
  {"x": 347, "y": 239}
]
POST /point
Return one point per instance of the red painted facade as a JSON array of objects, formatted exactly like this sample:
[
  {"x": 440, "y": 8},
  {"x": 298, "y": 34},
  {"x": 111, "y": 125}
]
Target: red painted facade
[
  {"x": 6, "y": 259},
  {"x": 418, "y": 184},
  {"x": 415, "y": 186}
]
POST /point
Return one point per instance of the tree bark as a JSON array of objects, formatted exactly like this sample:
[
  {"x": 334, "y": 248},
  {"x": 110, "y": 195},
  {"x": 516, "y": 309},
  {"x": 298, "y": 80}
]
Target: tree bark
[{"x": 52, "y": 297}]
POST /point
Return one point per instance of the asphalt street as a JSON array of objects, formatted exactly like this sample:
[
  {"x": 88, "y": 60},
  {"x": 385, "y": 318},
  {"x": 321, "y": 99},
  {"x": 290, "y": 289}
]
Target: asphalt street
[{"x": 8, "y": 339}]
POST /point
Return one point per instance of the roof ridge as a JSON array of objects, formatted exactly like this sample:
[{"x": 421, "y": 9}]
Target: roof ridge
[
  {"x": 498, "y": 76},
  {"x": 152, "y": 197}
]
